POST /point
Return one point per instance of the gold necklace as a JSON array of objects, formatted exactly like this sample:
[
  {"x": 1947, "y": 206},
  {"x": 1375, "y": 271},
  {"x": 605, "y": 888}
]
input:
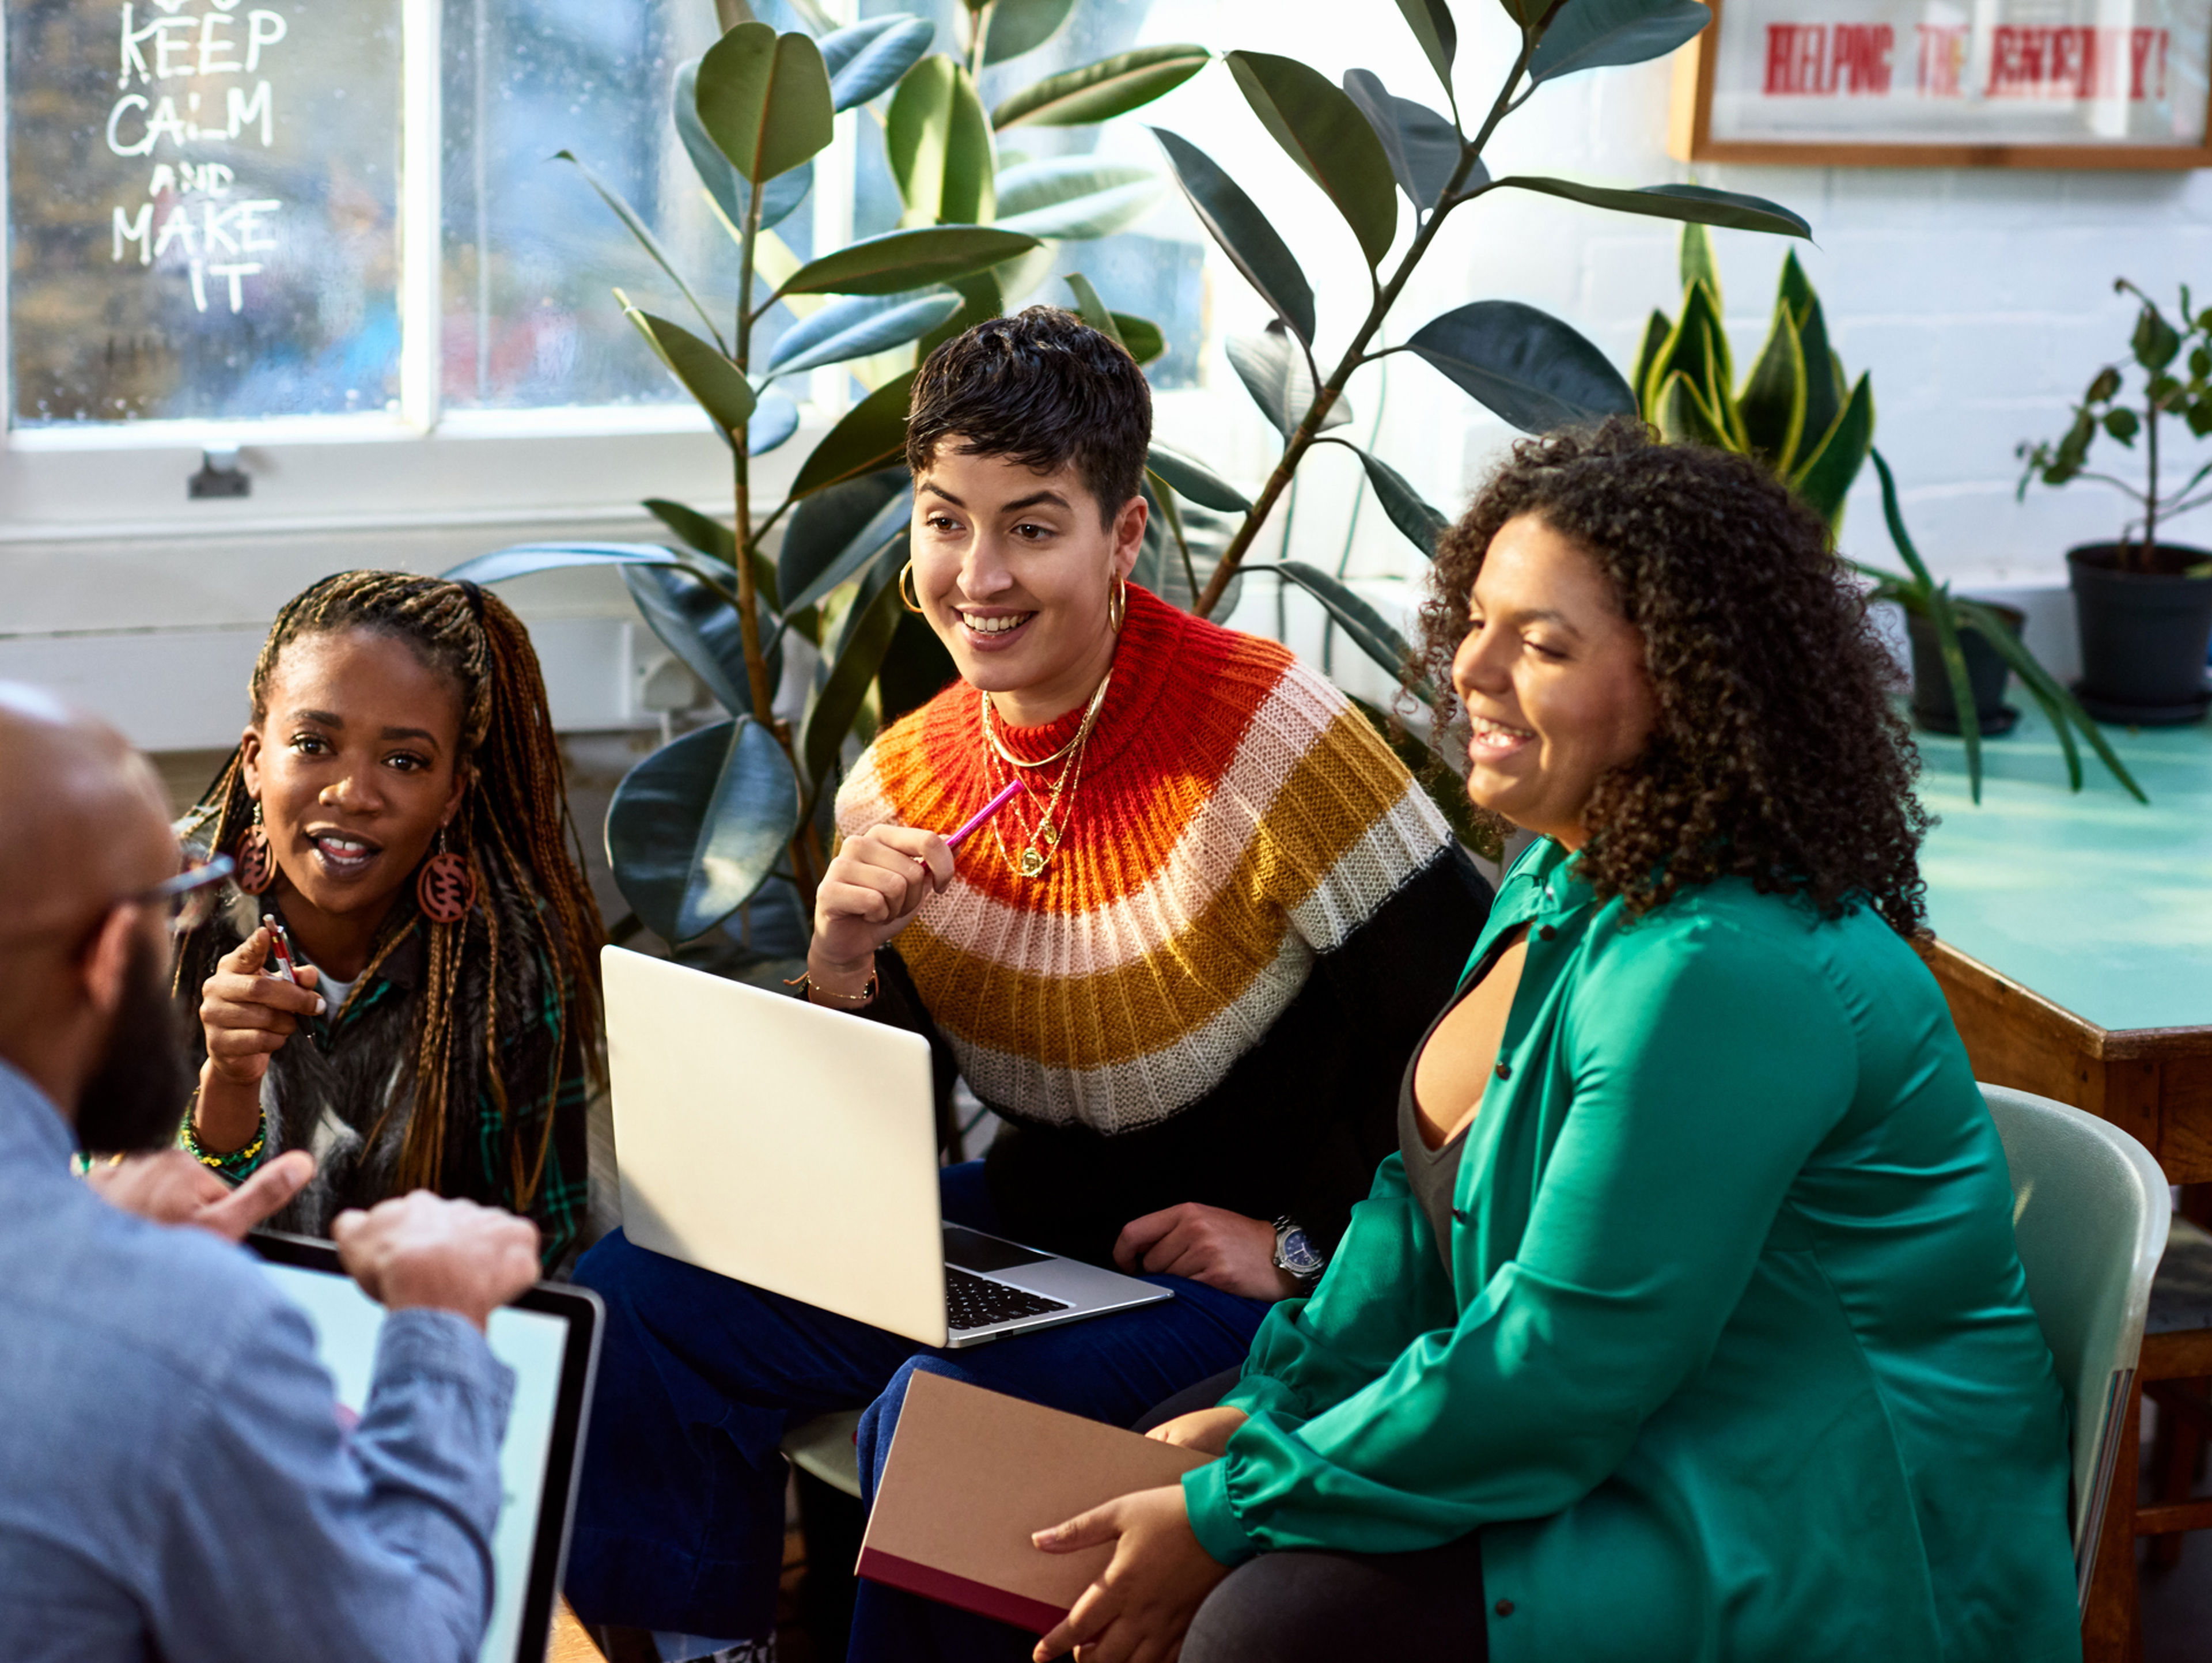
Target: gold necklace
[
  {"x": 1090, "y": 712},
  {"x": 1050, "y": 827}
]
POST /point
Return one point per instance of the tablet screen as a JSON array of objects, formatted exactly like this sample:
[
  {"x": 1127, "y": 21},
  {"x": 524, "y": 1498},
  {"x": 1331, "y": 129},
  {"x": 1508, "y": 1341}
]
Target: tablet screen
[{"x": 347, "y": 1322}]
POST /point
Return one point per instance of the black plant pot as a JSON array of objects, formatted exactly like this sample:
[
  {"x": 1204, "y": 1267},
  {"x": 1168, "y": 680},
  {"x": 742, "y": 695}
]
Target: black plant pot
[
  {"x": 1933, "y": 706},
  {"x": 2144, "y": 634}
]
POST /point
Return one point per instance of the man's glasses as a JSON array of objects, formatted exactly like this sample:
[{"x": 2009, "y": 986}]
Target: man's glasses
[{"x": 188, "y": 898}]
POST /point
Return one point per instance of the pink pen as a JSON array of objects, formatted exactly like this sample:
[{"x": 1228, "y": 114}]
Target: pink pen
[
  {"x": 983, "y": 815},
  {"x": 281, "y": 947}
]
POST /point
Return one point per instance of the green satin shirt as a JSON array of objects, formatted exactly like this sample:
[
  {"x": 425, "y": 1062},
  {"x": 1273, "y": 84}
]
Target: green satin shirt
[{"x": 1735, "y": 1359}]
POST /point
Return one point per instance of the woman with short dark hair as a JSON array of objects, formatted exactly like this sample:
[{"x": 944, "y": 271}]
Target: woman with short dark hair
[{"x": 1686, "y": 1322}]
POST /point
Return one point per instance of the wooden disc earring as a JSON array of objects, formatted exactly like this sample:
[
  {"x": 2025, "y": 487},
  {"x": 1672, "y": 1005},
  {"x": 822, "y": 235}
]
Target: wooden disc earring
[
  {"x": 445, "y": 889},
  {"x": 256, "y": 867}
]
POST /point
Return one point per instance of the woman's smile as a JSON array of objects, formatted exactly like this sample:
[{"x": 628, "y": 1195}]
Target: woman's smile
[
  {"x": 992, "y": 629},
  {"x": 344, "y": 856},
  {"x": 1493, "y": 741}
]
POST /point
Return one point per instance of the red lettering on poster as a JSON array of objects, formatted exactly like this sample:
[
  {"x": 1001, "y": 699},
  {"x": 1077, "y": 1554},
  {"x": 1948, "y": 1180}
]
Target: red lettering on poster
[
  {"x": 1818, "y": 60},
  {"x": 2040, "y": 61},
  {"x": 1942, "y": 59}
]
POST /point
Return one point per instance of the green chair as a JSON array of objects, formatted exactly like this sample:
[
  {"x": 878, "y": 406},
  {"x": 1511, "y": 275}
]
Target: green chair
[{"x": 2090, "y": 1209}]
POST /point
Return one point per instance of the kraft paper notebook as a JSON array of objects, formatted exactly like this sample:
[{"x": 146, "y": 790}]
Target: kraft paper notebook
[{"x": 971, "y": 1474}]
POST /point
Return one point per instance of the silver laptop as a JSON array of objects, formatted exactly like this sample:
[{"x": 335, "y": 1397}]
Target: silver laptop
[{"x": 795, "y": 1148}]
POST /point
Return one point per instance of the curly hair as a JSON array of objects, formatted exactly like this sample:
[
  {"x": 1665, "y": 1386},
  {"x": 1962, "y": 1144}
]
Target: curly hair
[{"x": 1777, "y": 755}]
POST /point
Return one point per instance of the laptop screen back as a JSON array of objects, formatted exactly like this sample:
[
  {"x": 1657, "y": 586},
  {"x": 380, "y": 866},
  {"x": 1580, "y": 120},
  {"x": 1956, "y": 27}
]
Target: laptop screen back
[
  {"x": 542, "y": 1432},
  {"x": 771, "y": 1140}
]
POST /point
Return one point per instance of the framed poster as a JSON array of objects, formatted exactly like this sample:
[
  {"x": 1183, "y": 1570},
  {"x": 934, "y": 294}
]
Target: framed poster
[{"x": 1948, "y": 83}]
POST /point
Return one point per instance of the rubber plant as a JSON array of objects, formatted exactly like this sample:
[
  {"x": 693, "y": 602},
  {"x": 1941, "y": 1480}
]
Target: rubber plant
[{"x": 732, "y": 811}]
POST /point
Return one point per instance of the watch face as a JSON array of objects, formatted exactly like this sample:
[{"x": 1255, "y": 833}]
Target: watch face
[{"x": 1300, "y": 1258}]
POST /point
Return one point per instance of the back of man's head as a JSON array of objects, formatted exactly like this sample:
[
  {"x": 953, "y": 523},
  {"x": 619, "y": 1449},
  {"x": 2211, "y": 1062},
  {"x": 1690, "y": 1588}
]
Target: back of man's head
[
  {"x": 82, "y": 828},
  {"x": 1043, "y": 389}
]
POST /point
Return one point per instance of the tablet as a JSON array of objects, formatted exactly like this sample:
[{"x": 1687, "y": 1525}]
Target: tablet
[{"x": 550, "y": 1338}]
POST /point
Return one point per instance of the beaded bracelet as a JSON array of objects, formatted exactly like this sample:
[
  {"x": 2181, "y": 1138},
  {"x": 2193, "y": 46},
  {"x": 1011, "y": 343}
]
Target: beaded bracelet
[{"x": 234, "y": 1164}]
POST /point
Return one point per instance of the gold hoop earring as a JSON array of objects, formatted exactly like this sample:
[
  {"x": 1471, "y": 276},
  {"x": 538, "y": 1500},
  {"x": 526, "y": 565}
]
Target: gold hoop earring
[
  {"x": 906, "y": 572},
  {"x": 1117, "y": 603}
]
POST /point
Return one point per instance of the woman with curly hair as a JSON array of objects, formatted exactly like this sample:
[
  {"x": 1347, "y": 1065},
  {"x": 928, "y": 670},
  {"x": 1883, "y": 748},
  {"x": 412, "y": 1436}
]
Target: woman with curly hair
[
  {"x": 1686, "y": 1323},
  {"x": 396, "y": 805}
]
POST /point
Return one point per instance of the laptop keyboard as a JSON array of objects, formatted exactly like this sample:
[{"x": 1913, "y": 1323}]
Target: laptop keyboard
[{"x": 976, "y": 1302}]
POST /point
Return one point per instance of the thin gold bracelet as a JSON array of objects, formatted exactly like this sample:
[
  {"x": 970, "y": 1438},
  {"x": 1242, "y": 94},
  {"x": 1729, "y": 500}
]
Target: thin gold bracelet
[{"x": 865, "y": 996}]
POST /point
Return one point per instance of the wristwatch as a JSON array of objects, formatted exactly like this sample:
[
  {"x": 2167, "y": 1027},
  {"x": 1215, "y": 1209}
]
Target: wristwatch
[{"x": 1295, "y": 1254}]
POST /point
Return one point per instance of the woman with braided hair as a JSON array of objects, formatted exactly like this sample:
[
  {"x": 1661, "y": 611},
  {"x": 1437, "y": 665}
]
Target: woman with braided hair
[{"x": 396, "y": 803}]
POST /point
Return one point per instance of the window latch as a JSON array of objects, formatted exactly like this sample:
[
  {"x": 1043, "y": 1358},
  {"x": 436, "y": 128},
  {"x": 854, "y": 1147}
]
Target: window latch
[{"x": 219, "y": 476}]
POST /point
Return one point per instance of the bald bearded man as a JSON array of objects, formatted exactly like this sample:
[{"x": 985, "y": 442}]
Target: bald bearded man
[{"x": 173, "y": 1480}]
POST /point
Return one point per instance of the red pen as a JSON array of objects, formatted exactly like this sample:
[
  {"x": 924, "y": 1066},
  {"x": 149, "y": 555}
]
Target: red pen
[
  {"x": 281, "y": 947},
  {"x": 982, "y": 815}
]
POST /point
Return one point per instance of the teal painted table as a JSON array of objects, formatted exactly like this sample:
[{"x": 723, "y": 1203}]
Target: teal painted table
[{"x": 2074, "y": 930}]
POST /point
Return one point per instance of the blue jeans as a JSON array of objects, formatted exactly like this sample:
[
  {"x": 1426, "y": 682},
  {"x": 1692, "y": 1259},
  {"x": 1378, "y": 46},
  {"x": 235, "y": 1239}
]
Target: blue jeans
[{"x": 679, "y": 1516}]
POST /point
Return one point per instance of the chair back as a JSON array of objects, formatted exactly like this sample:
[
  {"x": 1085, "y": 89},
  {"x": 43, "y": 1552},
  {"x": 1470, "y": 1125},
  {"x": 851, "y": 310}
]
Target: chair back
[{"x": 2089, "y": 1211}]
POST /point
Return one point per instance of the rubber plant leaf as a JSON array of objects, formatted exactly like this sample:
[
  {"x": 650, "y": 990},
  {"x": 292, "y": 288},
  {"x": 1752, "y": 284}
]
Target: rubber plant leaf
[
  {"x": 1774, "y": 402},
  {"x": 1430, "y": 21},
  {"x": 870, "y": 435},
  {"x": 901, "y": 260},
  {"x": 702, "y": 533},
  {"x": 1594, "y": 34},
  {"x": 696, "y": 827},
  {"x": 1233, "y": 221},
  {"x": 699, "y": 625},
  {"x": 1075, "y": 197},
  {"x": 1369, "y": 630},
  {"x": 1524, "y": 365},
  {"x": 764, "y": 99},
  {"x": 1022, "y": 26},
  {"x": 1826, "y": 476},
  {"x": 1423, "y": 147},
  {"x": 1091, "y": 309},
  {"x": 834, "y": 534},
  {"x": 830, "y": 713},
  {"x": 729, "y": 189},
  {"x": 520, "y": 559},
  {"x": 1275, "y": 373},
  {"x": 870, "y": 57},
  {"x": 775, "y": 418},
  {"x": 857, "y": 325},
  {"x": 1099, "y": 92},
  {"x": 937, "y": 142},
  {"x": 1145, "y": 339},
  {"x": 1197, "y": 482},
  {"x": 638, "y": 228},
  {"x": 1321, "y": 129},
  {"x": 1409, "y": 511},
  {"x": 707, "y": 375},
  {"x": 1693, "y": 203}
]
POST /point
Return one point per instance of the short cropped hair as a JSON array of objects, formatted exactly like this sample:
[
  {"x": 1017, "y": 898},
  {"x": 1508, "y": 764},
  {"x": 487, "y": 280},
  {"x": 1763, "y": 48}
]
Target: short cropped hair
[
  {"x": 1043, "y": 389},
  {"x": 1778, "y": 755}
]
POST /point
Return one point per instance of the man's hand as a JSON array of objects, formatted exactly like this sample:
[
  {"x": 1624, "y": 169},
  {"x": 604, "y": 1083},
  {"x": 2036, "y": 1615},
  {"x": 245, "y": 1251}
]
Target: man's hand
[
  {"x": 170, "y": 1188},
  {"x": 1222, "y": 1250},
  {"x": 448, "y": 1255},
  {"x": 1206, "y": 1430},
  {"x": 878, "y": 882},
  {"x": 1142, "y": 1603}
]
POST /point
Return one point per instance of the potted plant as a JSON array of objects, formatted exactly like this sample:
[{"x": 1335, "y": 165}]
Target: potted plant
[
  {"x": 1971, "y": 648},
  {"x": 2144, "y": 604}
]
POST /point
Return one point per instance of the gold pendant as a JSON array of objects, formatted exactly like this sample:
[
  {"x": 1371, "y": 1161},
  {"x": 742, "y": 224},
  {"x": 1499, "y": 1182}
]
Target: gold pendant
[
  {"x": 1032, "y": 863},
  {"x": 1049, "y": 832}
]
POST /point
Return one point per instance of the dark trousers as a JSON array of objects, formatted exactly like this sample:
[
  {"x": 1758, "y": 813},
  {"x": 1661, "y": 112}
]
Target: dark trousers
[{"x": 679, "y": 1515}]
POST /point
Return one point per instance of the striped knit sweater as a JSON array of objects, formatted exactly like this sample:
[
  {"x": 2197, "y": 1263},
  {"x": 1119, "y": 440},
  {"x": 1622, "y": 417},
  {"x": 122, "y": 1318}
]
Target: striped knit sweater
[{"x": 1146, "y": 1016}]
